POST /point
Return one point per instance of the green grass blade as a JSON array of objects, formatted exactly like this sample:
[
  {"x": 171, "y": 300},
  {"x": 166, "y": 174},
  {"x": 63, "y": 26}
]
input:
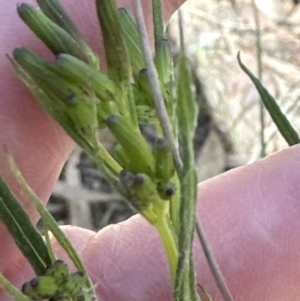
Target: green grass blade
[
  {"x": 26, "y": 236},
  {"x": 282, "y": 123}
]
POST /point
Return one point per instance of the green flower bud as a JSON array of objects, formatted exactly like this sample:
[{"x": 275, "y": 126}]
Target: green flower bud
[
  {"x": 135, "y": 146},
  {"x": 143, "y": 91},
  {"x": 58, "y": 270},
  {"x": 164, "y": 164},
  {"x": 166, "y": 189},
  {"x": 81, "y": 74},
  {"x": 75, "y": 284},
  {"x": 39, "y": 288},
  {"x": 126, "y": 178},
  {"x": 132, "y": 40},
  {"x": 55, "y": 12},
  {"x": 105, "y": 109},
  {"x": 71, "y": 105},
  {"x": 117, "y": 58},
  {"x": 142, "y": 185},
  {"x": 58, "y": 40},
  {"x": 144, "y": 196},
  {"x": 145, "y": 188},
  {"x": 163, "y": 61}
]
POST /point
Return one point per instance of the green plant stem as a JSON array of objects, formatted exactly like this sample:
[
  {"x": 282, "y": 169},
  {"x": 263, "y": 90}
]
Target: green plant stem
[
  {"x": 12, "y": 290},
  {"x": 108, "y": 159},
  {"x": 155, "y": 86},
  {"x": 163, "y": 227},
  {"x": 212, "y": 262}
]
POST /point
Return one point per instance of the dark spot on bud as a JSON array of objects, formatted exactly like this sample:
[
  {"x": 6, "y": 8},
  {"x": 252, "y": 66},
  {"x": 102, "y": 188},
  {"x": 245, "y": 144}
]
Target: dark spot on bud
[
  {"x": 71, "y": 98},
  {"x": 18, "y": 52},
  {"x": 138, "y": 180},
  {"x": 80, "y": 273},
  {"x": 143, "y": 71},
  {"x": 34, "y": 282},
  {"x": 25, "y": 287},
  {"x": 58, "y": 59},
  {"x": 126, "y": 177},
  {"x": 169, "y": 192},
  {"x": 124, "y": 173},
  {"x": 22, "y": 8},
  {"x": 160, "y": 143},
  {"x": 111, "y": 119}
]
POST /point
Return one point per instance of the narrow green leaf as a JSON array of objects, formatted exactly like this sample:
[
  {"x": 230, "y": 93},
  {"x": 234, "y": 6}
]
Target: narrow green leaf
[
  {"x": 279, "y": 118},
  {"x": 27, "y": 238},
  {"x": 48, "y": 220},
  {"x": 186, "y": 112},
  {"x": 185, "y": 280}
]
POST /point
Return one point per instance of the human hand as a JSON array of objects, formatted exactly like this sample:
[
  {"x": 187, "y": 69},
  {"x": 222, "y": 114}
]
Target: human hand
[{"x": 250, "y": 214}]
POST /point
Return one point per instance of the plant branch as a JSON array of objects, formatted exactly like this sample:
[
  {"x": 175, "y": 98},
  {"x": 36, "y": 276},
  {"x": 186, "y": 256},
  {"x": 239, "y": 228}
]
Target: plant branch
[
  {"x": 212, "y": 262},
  {"x": 154, "y": 82}
]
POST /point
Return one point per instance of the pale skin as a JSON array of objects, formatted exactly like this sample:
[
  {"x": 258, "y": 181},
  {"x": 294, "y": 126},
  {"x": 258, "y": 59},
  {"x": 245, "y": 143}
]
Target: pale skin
[{"x": 251, "y": 214}]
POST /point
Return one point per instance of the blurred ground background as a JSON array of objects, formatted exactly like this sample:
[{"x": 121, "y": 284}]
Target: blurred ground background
[{"x": 228, "y": 132}]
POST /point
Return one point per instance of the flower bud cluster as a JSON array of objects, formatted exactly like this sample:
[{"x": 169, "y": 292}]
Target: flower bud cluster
[{"x": 84, "y": 99}]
